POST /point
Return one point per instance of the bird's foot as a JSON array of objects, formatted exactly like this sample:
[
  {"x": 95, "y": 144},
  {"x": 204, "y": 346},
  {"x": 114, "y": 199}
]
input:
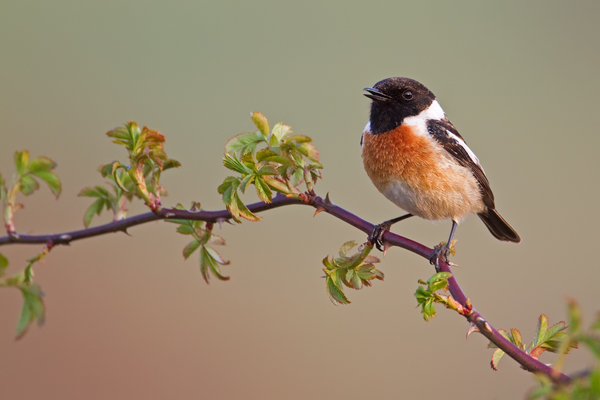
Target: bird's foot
[
  {"x": 441, "y": 252},
  {"x": 376, "y": 236}
]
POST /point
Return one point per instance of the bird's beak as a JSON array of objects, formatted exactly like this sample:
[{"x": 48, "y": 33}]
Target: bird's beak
[{"x": 376, "y": 95}]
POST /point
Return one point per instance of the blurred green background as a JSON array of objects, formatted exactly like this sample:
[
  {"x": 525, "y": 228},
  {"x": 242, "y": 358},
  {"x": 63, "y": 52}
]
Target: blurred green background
[{"x": 128, "y": 318}]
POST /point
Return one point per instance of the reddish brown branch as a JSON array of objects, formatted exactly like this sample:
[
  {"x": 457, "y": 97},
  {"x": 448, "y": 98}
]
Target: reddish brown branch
[{"x": 525, "y": 360}]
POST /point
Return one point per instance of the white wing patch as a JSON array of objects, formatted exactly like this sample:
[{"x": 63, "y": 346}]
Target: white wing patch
[{"x": 464, "y": 146}]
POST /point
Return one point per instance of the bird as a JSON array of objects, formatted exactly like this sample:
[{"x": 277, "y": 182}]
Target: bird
[{"x": 419, "y": 161}]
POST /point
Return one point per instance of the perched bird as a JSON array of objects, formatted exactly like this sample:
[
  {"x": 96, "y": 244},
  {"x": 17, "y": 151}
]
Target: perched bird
[{"x": 417, "y": 159}]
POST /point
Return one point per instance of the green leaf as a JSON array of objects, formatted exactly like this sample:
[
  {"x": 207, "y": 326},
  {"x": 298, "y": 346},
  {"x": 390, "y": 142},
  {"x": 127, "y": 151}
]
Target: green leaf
[
  {"x": 244, "y": 183},
  {"x": 185, "y": 229},
  {"x": 541, "y": 330},
  {"x": 439, "y": 276},
  {"x": 51, "y": 180},
  {"x": 120, "y": 177},
  {"x": 242, "y": 140},
  {"x": 422, "y": 294},
  {"x": 350, "y": 262},
  {"x": 366, "y": 274},
  {"x": 267, "y": 170},
  {"x": 33, "y": 308},
  {"x": 298, "y": 138},
  {"x": 297, "y": 177},
  {"x": 3, "y": 264},
  {"x": 275, "y": 184},
  {"x": 309, "y": 151},
  {"x": 41, "y": 164},
  {"x": 347, "y": 247},
  {"x": 428, "y": 310},
  {"x": 496, "y": 356},
  {"x": 168, "y": 164},
  {"x": 335, "y": 293},
  {"x": 356, "y": 281},
  {"x": 97, "y": 191},
  {"x": 206, "y": 260},
  {"x": 230, "y": 202},
  {"x": 262, "y": 190},
  {"x": 226, "y": 184},
  {"x": 94, "y": 208},
  {"x": 516, "y": 337},
  {"x": 106, "y": 169},
  {"x": 233, "y": 163},
  {"x": 438, "y": 285},
  {"x": 27, "y": 184},
  {"x": 21, "y": 161},
  {"x": 190, "y": 248},
  {"x": 248, "y": 160},
  {"x": 279, "y": 131},
  {"x": 264, "y": 153},
  {"x": 261, "y": 123},
  {"x": 275, "y": 136},
  {"x": 233, "y": 201},
  {"x": 204, "y": 267},
  {"x": 243, "y": 210},
  {"x": 283, "y": 160},
  {"x": 215, "y": 256},
  {"x": 120, "y": 133}
]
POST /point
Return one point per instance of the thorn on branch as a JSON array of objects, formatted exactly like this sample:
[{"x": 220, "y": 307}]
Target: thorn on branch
[
  {"x": 221, "y": 220},
  {"x": 319, "y": 208},
  {"x": 386, "y": 246},
  {"x": 472, "y": 328}
]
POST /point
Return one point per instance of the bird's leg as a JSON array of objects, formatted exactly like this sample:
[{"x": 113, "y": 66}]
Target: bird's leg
[
  {"x": 440, "y": 251},
  {"x": 376, "y": 236}
]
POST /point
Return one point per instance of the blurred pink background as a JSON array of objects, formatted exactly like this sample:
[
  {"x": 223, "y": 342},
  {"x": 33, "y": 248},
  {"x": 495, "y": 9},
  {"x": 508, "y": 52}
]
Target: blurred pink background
[{"x": 127, "y": 317}]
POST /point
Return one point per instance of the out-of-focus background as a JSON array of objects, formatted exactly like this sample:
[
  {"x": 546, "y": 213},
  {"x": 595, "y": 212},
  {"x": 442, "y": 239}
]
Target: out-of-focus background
[{"x": 127, "y": 317}]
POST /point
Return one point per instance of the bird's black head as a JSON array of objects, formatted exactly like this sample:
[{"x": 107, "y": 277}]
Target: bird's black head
[{"x": 395, "y": 99}]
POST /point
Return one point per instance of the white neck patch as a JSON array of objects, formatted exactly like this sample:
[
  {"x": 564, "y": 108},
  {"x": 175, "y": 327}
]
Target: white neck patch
[{"x": 434, "y": 111}]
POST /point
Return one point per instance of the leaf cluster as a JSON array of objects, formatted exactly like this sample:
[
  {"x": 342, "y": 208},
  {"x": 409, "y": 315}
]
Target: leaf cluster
[
  {"x": 545, "y": 339},
  {"x": 281, "y": 165},
  {"x": 427, "y": 296},
  {"x": 351, "y": 270},
  {"x": 140, "y": 178},
  {"x": 587, "y": 385},
  {"x": 203, "y": 239},
  {"x": 25, "y": 181},
  {"x": 33, "y": 303}
]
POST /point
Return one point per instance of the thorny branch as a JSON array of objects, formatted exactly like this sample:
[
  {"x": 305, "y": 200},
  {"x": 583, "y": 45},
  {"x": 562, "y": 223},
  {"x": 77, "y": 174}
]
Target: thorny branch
[{"x": 478, "y": 323}]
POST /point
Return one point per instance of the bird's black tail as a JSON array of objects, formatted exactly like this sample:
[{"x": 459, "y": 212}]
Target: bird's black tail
[{"x": 498, "y": 226}]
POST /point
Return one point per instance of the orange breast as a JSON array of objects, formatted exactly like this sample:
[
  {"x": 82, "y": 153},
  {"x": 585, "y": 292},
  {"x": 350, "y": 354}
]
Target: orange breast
[
  {"x": 399, "y": 154},
  {"x": 418, "y": 175}
]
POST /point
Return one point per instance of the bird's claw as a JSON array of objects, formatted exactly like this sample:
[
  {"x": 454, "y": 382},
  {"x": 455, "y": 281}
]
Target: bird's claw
[
  {"x": 440, "y": 252},
  {"x": 376, "y": 236}
]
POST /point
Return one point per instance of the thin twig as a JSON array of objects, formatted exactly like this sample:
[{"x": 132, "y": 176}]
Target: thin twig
[{"x": 525, "y": 360}]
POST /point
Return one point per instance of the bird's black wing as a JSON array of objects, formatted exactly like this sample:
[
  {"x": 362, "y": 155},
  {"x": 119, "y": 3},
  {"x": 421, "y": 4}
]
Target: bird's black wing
[{"x": 446, "y": 135}]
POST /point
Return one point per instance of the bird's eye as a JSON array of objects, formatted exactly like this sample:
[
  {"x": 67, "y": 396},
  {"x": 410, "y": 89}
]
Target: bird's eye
[{"x": 407, "y": 95}]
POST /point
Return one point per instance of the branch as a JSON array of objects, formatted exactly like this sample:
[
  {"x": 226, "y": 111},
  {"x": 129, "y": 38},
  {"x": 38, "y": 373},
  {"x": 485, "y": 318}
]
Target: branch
[
  {"x": 123, "y": 224},
  {"x": 474, "y": 317}
]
